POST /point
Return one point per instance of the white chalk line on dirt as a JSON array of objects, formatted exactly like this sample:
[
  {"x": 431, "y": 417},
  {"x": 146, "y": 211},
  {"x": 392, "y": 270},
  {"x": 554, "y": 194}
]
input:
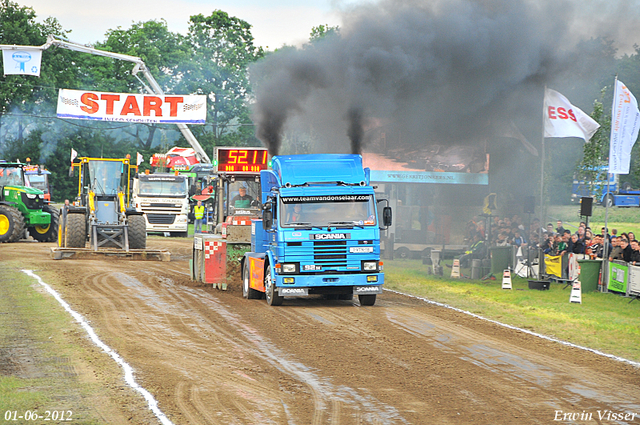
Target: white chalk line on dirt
[
  {"x": 548, "y": 338},
  {"x": 128, "y": 370}
]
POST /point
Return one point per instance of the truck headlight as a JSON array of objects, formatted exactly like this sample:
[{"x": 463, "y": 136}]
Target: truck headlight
[
  {"x": 369, "y": 266},
  {"x": 289, "y": 267}
]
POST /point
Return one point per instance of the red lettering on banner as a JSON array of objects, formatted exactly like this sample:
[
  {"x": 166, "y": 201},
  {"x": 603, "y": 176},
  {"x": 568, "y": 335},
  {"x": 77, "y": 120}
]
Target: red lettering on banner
[
  {"x": 173, "y": 101},
  {"x": 130, "y": 106},
  {"x": 91, "y": 106},
  {"x": 110, "y": 98},
  {"x": 152, "y": 103},
  {"x": 562, "y": 113}
]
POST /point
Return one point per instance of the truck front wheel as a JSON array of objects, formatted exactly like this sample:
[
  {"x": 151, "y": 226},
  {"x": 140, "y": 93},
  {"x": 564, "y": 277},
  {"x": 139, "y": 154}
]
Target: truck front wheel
[
  {"x": 273, "y": 298},
  {"x": 367, "y": 299},
  {"x": 608, "y": 201},
  {"x": 247, "y": 291}
]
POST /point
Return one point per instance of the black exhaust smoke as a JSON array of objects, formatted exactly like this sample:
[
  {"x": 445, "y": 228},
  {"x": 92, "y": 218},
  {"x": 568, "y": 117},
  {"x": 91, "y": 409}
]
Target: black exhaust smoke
[
  {"x": 355, "y": 131},
  {"x": 442, "y": 71}
]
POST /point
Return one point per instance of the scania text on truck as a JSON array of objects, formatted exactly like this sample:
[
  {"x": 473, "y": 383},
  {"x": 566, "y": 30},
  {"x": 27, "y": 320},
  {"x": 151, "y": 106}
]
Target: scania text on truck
[{"x": 319, "y": 233}]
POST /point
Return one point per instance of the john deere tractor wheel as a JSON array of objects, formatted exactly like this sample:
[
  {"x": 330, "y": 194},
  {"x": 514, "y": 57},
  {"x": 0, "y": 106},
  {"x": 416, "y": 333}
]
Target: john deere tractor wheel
[
  {"x": 76, "y": 231},
  {"x": 48, "y": 233},
  {"x": 11, "y": 224},
  {"x": 137, "y": 232}
]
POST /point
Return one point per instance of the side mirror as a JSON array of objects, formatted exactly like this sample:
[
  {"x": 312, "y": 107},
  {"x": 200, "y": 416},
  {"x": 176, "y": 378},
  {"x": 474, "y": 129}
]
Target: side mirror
[
  {"x": 387, "y": 216},
  {"x": 71, "y": 171},
  {"x": 267, "y": 216}
]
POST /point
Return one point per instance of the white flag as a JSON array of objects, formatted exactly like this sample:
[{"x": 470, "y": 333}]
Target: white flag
[
  {"x": 74, "y": 154},
  {"x": 22, "y": 61},
  {"x": 625, "y": 123},
  {"x": 140, "y": 159},
  {"x": 562, "y": 119}
]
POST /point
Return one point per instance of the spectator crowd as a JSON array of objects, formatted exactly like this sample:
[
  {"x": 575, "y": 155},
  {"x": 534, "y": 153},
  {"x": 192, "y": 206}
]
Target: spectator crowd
[{"x": 553, "y": 240}]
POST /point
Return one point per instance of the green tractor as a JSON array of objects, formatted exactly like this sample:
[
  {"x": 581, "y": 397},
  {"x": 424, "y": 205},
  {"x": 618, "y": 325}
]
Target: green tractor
[{"x": 23, "y": 207}]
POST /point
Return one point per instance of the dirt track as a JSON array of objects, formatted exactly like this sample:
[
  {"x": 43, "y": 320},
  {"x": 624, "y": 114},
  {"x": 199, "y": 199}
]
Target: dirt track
[{"x": 212, "y": 357}]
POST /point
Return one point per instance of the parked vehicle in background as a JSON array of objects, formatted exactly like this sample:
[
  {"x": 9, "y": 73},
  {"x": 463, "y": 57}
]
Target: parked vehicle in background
[
  {"x": 22, "y": 206},
  {"x": 39, "y": 178},
  {"x": 163, "y": 198},
  {"x": 606, "y": 189}
]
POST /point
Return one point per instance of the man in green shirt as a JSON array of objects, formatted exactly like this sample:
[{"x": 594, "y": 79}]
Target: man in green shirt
[{"x": 242, "y": 200}]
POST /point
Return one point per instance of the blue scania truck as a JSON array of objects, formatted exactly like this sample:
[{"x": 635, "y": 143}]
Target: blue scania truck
[{"x": 319, "y": 232}]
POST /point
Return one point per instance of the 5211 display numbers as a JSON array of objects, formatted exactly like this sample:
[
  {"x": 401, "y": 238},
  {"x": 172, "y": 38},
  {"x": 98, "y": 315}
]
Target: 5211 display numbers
[
  {"x": 33, "y": 415},
  {"x": 242, "y": 160}
]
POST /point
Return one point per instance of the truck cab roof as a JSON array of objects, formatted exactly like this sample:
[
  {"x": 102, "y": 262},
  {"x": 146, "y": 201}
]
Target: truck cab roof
[{"x": 298, "y": 170}]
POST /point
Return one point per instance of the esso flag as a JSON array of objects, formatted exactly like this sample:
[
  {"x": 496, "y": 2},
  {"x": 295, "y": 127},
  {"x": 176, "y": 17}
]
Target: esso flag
[
  {"x": 126, "y": 107},
  {"x": 562, "y": 119}
]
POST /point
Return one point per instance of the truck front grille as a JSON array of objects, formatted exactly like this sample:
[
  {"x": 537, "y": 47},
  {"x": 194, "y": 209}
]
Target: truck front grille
[
  {"x": 161, "y": 218},
  {"x": 330, "y": 253}
]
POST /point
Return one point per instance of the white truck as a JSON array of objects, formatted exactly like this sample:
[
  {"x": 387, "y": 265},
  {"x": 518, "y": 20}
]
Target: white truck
[{"x": 163, "y": 198}]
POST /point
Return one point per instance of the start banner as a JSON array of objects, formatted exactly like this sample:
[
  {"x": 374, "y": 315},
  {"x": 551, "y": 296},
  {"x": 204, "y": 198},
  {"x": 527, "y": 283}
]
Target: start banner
[{"x": 136, "y": 108}]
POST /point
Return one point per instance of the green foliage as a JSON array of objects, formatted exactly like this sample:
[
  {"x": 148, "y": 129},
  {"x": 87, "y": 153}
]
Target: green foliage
[
  {"x": 222, "y": 49},
  {"x": 322, "y": 31},
  {"x": 20, "y": 93},
  {"x": 596, "y": 151}
]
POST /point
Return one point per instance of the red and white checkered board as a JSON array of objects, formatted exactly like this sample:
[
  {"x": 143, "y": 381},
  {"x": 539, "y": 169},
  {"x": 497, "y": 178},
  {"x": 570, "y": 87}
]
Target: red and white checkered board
[{"x": 210, "y": 247}]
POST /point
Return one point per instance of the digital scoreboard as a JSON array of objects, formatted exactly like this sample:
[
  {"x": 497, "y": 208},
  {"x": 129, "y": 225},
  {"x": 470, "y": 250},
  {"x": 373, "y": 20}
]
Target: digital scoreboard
[{"x": 241, "y": 160}]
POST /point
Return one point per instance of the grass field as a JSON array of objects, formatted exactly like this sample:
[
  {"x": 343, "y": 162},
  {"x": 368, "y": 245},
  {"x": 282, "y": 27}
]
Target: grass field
[
  {"x": 41, "y": 374},
  {"x": 622, "y": 219}
]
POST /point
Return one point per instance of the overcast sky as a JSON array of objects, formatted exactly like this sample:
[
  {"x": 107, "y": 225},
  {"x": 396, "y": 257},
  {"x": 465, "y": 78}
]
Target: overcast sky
[{"x": 274, "y": 22}]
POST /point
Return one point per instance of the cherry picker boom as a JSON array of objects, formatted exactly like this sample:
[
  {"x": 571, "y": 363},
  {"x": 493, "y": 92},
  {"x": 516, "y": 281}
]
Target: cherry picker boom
[{"x": 153, "y": 87}]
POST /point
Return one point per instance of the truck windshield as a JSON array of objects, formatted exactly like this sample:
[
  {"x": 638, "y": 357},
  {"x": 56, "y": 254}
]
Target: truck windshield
[
  {"x": 244, "y": 194},
  {"x": 323, "y": 211},
  {"x": 165, "y": 186},
  {"x": 39, "y": 181},
  {"x": 11, "y": 176},
  {"x": 105, "y": 176}
]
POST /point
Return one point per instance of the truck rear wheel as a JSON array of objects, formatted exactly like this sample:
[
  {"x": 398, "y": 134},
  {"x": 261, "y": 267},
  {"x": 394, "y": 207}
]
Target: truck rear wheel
[
  {"x": 247, "y": 291},
  {"x": 273, "y": 298},
  {"x": 49, "y": 232},
  {"x": 403, "y": 252},
  {"x": 367, "y": 299},
  {"x": 11, "y": 224},
  {"x": 137, "y": 232},
  {"x": 76, "y": 231}
]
